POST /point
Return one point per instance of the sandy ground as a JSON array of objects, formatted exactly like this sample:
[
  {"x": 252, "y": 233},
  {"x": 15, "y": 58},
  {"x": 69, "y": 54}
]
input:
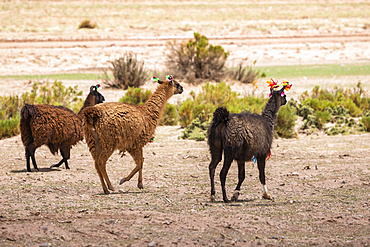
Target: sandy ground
[
  {"x": 320, "y": 186},
  {"x": 320, "y": 183}
]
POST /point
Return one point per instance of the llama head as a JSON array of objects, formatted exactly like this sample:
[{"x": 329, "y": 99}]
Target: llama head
[
  {"x": 99, "y": 98},
  {"x": 177, "y": 88},
  {"x": 279, "y": 94}
]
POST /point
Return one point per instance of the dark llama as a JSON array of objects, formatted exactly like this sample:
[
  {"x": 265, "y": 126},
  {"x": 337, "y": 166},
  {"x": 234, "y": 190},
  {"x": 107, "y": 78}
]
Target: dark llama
[{"x": 242, "y": 137}]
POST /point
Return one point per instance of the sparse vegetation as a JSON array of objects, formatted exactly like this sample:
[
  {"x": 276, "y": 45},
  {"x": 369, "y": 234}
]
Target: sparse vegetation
[
  {"x": 285, "y": 122},
  {"x": 127, "y": 71},
  {"x": 339, "y": 107},
  {"x": 87, "y": 24},
  {"x": 196, "y": 59},
  {"x": 244, "y": 74}
]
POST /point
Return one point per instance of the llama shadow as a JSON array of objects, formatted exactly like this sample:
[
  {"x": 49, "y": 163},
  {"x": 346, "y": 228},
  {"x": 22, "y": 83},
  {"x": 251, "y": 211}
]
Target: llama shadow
[
  {"x": 233, "y": 203},
  {"x": 33, "y": 170},
  {"x": 268, "y": 203},
  {"x": 121, "y": 193},
  {"x": 274, "y": 204}
]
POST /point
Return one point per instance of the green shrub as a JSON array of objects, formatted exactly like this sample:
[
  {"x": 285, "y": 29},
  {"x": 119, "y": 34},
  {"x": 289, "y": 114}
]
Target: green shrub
[
  {"x": 138, "y": 96},
  {"x": 197, "y": 130},
  {"x": 196, "y": 59},
  {"x": 9, "y": 127},
  {"x": 285, "y": 122},
  {"x": 170, "y": 116},
  {"x": 86, "y": 24},
  {"x": 135, "y": 96},
  {"x": 322, "y": 117},
  {"x": 366, "y": 123},
  {"x": 41, "y": 93},
  {"x": 333, "y": 131},
  {"x": 127, "y": 71}
]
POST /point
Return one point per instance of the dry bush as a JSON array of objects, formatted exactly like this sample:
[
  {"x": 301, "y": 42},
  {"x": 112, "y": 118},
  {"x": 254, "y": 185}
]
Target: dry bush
[
  {"x": 127, "y": 71},
  {"x": 87, "y": 24},
  {"x": 244, "y": 74}
]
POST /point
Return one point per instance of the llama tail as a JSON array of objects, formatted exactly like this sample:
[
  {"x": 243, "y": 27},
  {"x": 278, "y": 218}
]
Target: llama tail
[
  {"x": 27, "y": 112},
  {"x": 215, "y": 130},
  {"x": 90, "y": 116},
  {"x": 221, "y": 115}
]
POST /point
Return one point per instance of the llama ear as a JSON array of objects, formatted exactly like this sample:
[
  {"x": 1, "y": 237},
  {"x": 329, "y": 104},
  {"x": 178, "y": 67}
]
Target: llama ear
[
  {"x": 155, "y": 79},
  {"x": 169, "y": 78}
]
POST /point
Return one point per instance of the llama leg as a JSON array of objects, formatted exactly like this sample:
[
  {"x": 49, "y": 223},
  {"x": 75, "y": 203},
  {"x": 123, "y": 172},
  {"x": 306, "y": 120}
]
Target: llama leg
[
  {"x": 137, "y": 155},
  {"x": 228, "y": 159},
  {"x": 241, "y": 176},
  {"x": 97, "y": 167},
  {"x": 216, "y": 158},
  {"x": 28, "y": 159},
  {"x": 103, "y": 170},
  {"x": 140, "y": 179},
  {"x": 65, "y": 152},
  {"x": 30, "y": 153},
  {"x": 67, "y": 155},
  {"x": 261, "y": 168},
  {"x": 103, "y": 158}
]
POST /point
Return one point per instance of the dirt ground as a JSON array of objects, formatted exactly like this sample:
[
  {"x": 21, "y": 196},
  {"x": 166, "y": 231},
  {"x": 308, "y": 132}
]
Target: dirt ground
[{"x": 320, "y": 184}]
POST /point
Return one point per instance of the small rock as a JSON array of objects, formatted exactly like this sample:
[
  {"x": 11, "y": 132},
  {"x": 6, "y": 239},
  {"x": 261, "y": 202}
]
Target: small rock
[
  {"x": 44, "y": 228},
  {"x": 44, "y": 245},
  {"x": 343, "y": 182},
  {"x": 108, "y": 222},
  {"x": 152, "y": 244}
]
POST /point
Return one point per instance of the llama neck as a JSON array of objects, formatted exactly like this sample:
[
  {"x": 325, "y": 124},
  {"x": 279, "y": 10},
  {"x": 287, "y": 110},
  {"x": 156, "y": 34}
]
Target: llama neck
[
  {"x": 271, "y": 111},
  {"x": 155, "y": 105},
  {"x": 89, "y": 101}
]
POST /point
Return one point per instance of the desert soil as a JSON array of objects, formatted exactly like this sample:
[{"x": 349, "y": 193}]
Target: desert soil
[{"x": 320, "y": 184}]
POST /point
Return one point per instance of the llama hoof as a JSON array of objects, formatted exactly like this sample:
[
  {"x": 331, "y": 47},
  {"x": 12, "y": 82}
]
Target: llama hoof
[
  {"x": 213, "y": 198},
  {"x": 106, "y": 192},
  {"x": 111, "y": 188},
  {"x": 226, "y": 200},
  {"x": 140, "y": 186},
  {"x": 55, "y": 165},
  {"x": 123, "y": 180},
  {"x": 267, "y": 196},
  {"x": 235, "y": 196}
]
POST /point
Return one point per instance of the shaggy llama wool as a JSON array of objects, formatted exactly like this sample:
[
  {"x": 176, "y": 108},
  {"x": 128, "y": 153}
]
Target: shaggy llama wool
[
  {"x": 57, "y": 127},
  {"x": 241, "y": 137},
  {"x": 124, "y": 127}
]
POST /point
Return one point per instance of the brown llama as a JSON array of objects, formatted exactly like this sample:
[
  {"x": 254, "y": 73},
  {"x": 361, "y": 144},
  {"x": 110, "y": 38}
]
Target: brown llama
[
  {"x": 125, "y": 127},
  {"x": 57, "y": 127}
]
